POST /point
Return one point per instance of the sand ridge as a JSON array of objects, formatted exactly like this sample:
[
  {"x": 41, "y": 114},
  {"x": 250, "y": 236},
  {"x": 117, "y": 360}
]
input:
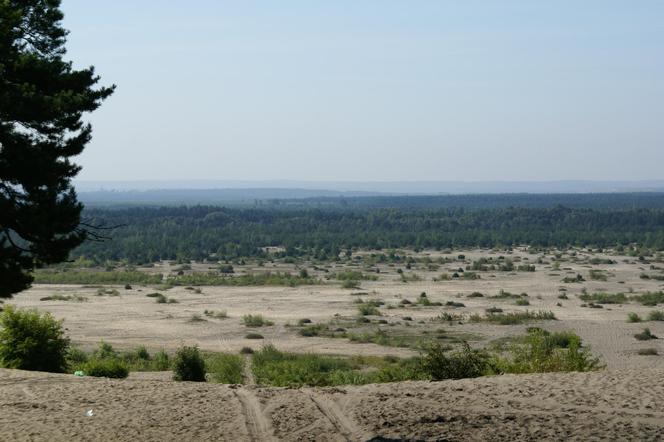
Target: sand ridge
[{"x": 611, "y": 405}]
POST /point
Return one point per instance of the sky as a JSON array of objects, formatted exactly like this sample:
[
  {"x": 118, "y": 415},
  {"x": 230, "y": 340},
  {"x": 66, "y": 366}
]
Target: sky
[{"x": 373, "y": 90}]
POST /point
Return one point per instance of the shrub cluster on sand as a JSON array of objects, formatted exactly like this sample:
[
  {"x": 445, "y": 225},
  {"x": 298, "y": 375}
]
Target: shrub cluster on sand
[
  {"x": 514, "y": 317},
  {"x": 105, "y": 361},
  {"x": 96, "y": 277},
  {"x": 649, "y": 298},
  {"x": 249, "y": 279},
  {"x": 59, "y": 297},
  {"x": 463, "y": 363},
  {"x": 30, "y": 340},
  {"x": 256, "y": 321},
  {"x": 225, "y": 368},
  {"x": 189, "y": 365},
  {"x": 604, "y": 298},
  {"x": 541, "y": 351},
  {"x": 274, "y": 367}
]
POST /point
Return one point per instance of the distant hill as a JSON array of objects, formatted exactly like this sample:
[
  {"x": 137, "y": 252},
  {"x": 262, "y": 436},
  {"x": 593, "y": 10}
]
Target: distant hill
[
  {"x": 374, "y": 194},
  {"x": 320, "y": 188}
]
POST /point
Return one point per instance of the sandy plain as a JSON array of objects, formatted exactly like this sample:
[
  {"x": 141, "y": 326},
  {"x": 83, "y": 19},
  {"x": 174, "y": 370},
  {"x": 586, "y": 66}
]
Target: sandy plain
[{"x": 621, "y": 402}]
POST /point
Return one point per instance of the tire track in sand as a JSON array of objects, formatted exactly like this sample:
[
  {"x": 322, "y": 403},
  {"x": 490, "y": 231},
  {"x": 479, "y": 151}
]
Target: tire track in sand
[
  {"x": 247, "y": 371},
  {"x": 343, "y": 424},
  {"x": 258, "y": 425}
]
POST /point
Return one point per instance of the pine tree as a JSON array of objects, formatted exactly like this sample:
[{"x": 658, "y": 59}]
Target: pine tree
[{"x": 42, "y": 101}]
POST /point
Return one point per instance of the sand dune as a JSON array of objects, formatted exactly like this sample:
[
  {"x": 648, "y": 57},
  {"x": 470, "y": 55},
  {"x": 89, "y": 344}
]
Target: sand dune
[{"x": 613, "y": 405}]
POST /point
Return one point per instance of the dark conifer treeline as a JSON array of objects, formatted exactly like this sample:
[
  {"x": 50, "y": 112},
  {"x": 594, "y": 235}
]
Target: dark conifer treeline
[{"x": 200, "y": 232}]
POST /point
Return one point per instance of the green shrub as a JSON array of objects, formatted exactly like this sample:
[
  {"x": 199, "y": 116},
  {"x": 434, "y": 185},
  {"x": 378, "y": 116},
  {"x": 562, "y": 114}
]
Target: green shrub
[
  {"x": 633, "y": 317},
  {"x": 32, "y": 341},
  {"x": 453, "y": 304},
  {"x": 253, "y": 336},
  {"x": 105, "y": 351},
  {"x": 650, "y": 298},
  {"x": 142, "y": 353},
  {"x": 76, "y": 357},
  {"x": 656, "y": 315},
  {"x": 312, "y": 330},
  {"x": 645, "y": 335},
  {"x": 522, "y": 302},
  {"x": 225, "y": 368},
  {"x": 368, "y": 310},
  {"x": 97, "y": 277},
  {"x": 161, "y": 299},
  {"x": 196, "y": 318},
  {"x": 542, "y": 352},
  {"x": 514, "y": 318},
  {"x": 216, "y": 314},
  {"x": 106, "y": 368},
  {"x": 350, "y": 284},
  {"x": 570, "y": 279},
  {"x": 161, "y": 361},
  {"x": 59, "y": 297},
  {"x": 188, "y": 365},
  {"x": 605, "y": 298},
  {"x": 281, "y": 369},
  {"x": 597, "y": 275},
  {"x": 463, "y": 363},
  {"x": 255, "y": 321},
  {"x": 351, "y": 275}
]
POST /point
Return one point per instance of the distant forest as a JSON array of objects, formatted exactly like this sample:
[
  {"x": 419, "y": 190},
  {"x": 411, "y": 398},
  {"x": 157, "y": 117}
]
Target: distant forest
[{"x": 149, "y": 234}]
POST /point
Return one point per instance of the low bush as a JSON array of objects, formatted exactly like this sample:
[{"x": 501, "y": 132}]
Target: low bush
[
  {"x": 645, "y": 335},
  {"x": 368, "y": 310},
  {"x": 106, "y": 368},
  {"x": 225, "y": 368},
  {"x": 463, "y": 363},
  {"x": 188, "y": 365},
  {"x": 221, "y": 314},
  {"x": 58, "y": 297},
  {"x": 633, "y": 317},
  {"x": 253, "y": 336},
  {"x": 350, "y": 284},
  {"x": 573, "y": 279},
  {"x": 514, "y": 318},
  {"x": 453, "y": 304},
  {"x": 541, "y": 352},
  {"x": 255, "y": 321},
  {"x": 352, "y": 275},
  {"x": 597, "y": 275},
  {"x": 95, "y": 277},
  {"x": 281, "y": 369},
  {"x": 650, "y": 298},
  {"x": 656, "y": 315},
  {"x": 604, "y": 298},
  {"x": 312, "y": 330}
]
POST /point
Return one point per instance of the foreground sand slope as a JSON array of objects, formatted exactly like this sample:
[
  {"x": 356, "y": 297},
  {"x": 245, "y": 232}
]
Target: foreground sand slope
[{"x": 614, "y": 405}]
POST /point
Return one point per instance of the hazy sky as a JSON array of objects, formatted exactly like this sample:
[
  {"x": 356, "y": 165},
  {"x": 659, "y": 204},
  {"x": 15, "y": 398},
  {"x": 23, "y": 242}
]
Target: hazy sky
[{"x": 374, "y": 90}]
